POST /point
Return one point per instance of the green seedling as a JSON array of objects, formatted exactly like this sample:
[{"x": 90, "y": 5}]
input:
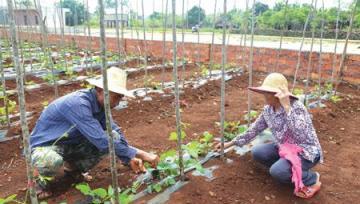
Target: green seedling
[
  {"x": 233, "y": 129},
  {"x": 71, "y": 74},
  {"x": 45, "y": 104},
  {"x": 9, "y": 199},
  {"x": 50, "y": 78},
  {"x": 249, "y": 117},
  {"x": 298, "y": 91},
  {"x": 101, "y": 195},
  {"x": 335, "y": 98},
  {"x": 30, "y": 83}
]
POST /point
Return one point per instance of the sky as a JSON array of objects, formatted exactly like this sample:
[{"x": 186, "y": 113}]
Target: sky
[{"x": 208, "y": 5}]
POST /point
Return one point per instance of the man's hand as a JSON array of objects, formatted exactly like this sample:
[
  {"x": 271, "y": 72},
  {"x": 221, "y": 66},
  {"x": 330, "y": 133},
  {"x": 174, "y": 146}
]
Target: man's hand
[
  {"x": 226, "y": 145},
  {"x": 137, "y": 165},
  {"x": 284, "y": 98},
  {"x": 153, "y": 159}
]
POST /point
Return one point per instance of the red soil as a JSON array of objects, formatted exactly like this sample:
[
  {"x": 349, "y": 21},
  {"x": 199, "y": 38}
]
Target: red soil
[{"x": 148, "y": 124}]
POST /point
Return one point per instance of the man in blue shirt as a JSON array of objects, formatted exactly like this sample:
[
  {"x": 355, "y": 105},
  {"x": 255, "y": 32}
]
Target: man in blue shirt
[{"x": 71, "y": 136}]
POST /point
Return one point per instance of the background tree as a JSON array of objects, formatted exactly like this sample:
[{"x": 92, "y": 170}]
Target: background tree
[
  {"x": 193, "y": 15},
  {"x": 260, "y": 8},
  {"x": 76, "y": 14},
  {"x": 110, "y": 3}
]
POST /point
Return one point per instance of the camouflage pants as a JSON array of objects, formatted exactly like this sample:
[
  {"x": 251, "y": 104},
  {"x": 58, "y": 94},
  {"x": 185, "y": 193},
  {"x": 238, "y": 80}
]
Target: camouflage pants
[{"x": 49, "y": 159}]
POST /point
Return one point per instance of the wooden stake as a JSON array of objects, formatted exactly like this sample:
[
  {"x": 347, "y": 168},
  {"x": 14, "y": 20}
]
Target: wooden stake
[
  {"x": 21, "y": 98},
  {"x": 113, "y": 169}
]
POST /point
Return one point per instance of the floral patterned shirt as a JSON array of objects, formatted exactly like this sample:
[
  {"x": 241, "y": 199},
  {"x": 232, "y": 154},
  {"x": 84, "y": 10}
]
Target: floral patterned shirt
[{"x": 293, "y": 127}]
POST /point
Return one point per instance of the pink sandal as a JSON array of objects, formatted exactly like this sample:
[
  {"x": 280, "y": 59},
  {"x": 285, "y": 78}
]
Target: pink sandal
[{"x": 309, "y": 191}]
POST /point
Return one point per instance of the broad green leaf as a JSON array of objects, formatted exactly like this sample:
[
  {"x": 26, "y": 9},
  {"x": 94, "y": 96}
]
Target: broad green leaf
[
  {"x": 8, "y": 199},
  {"x": 169, "y": 153},
  {"x": 125, "y": 197},
  {"x": 110, "y": 191},
  {"x": 157, "y": 187},
  {"x": 100, "y": 192},
  {"x": 207, "y": 137},
  {"x": 84, "y": 188},
  {"x": 173, "y": 136},
  {"x": 242, "y": 129},
  {"x": 170, "y": 181},
  {"x": 200, "y": 168}
]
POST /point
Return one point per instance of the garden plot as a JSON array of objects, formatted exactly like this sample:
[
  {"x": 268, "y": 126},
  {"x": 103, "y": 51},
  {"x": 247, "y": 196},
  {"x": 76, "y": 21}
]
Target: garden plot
[{"x": 153, "y": 121}]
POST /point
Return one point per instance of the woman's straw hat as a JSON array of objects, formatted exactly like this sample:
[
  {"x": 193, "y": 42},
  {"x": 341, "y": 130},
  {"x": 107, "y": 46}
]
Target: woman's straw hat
[
  {"x": 116, "y": 81},
  {"x": 273, "y": 84}
]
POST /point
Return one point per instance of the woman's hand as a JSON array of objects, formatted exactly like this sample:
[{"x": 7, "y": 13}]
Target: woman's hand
[
  {"x": 153, "y": 159},
  {"x": 284, "y": 98},
  {"x": 137, "y": 165},
  {"x": 226, "y": 145}
]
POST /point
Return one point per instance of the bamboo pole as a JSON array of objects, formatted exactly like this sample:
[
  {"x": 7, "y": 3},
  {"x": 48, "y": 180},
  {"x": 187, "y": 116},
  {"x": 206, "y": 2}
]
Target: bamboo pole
[
  {"x": 152, "y": 26},
  {"x": 246, "y": 24},
  {"x": 137, "y": 31},
  {"x": 223, "y": 63},
  {"x": 62, "y": 30},
  {"x": 131, "y": 21},
  {"x": 212, "y": 41},
  {"x": 343, "y": 56},
  {"x": 309, "y": 67},
  {"x": 230, "y": 26},
  {"x": 144, "y": 46},
  {"x": 336, "y": 43},
  {"x": 198, "y": 36},
  {"x": 89, "y": 41},
  {"x": 89, "y": 37},
  {"x": 320, "y": 52},
  {"x": 251, "y": 59},
  {"x": 281, "y": 37},
  {"x": 117, "y": 30},
  {"x": 164, "y": 46},
  {"x": 21, "y": 98},
  {"x": 3, "y": 84},
  {"x": 113, "y": 169},
  {"x": 301, "y": 45},
  {"x": 183, "y": 43},
  {"x": 45, "y": 46},
  {"x": 177, "y": 95}
]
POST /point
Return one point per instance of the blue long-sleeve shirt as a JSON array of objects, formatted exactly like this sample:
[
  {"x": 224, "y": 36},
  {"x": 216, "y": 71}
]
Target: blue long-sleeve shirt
[{"x": 74, "y": 116}]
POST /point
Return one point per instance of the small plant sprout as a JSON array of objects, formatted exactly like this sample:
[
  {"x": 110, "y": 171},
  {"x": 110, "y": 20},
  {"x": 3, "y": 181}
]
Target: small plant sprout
[
  {"x": 335, "y": 98},
  {"x": 204, "y": 71},
  {"x": 233, "y": 129},
  {"x": 30, "y": 83},
  {"x": 298, "y": 91},
  {"x": 45, "y": 104},
  {"x": 70, "y": 74},
  {"x": 101, "y": 195},
  {"x": 249, "y": 117},
  {"x": 9, "y": 199}
]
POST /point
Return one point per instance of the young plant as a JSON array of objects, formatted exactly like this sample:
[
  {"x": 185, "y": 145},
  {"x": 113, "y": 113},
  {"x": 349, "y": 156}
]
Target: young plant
[
  {"x": 204, "y": 71},
  {"x": 11, "y": 105},
  {"x": 50, "y": 78},
  {"x": 9, "y": 199},
  {"x": 45, "y": 104},
  {"x": 335, "y": 98},
  {"x": 252, "y": 116},
  {"x": 30, "y": 83},
  {"x": 298, "y": 91},
  {"x": 70, "y": 74},
  {"x": 101, "y": 195},
  {"x": 233, "y": 129}
]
